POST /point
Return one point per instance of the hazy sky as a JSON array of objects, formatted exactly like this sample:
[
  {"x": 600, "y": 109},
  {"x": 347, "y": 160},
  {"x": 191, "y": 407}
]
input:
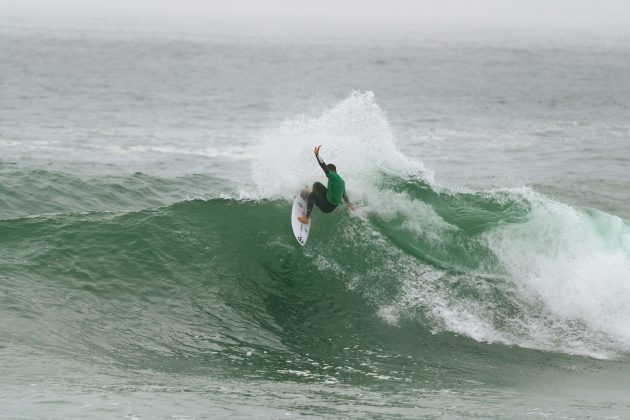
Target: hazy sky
[{"x": 588, "y": 14}]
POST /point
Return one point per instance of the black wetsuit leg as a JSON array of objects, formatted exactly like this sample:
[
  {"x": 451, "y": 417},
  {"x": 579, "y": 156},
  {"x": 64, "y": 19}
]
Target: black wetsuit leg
[{"x": 318, "y": 197}]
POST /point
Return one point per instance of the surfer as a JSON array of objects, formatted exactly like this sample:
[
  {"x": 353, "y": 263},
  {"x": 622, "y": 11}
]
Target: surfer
[{"x": 325, "y": 198}]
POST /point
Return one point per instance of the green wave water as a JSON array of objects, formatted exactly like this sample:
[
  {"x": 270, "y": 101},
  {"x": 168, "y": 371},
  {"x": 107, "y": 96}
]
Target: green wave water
[
  {"x": 148, "y": 268},
  {"x": 222, "y": 282}
]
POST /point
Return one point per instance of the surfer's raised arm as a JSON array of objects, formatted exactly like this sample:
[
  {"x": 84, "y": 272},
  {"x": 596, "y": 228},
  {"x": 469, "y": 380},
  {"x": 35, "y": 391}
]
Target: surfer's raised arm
[{"x": 320, "y": 160}]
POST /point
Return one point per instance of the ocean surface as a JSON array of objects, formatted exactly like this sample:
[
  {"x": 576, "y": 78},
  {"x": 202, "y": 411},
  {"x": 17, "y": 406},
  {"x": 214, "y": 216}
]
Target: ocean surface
[{"x": 147, "y": 263}]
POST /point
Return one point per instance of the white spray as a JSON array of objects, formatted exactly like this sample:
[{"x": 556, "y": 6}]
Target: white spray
[{"x": 567, "y": 270}]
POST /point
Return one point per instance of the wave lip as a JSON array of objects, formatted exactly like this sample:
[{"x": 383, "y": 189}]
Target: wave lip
[
  {"x": 513, "y": 267},
  {"x": 575, "y": 263}
]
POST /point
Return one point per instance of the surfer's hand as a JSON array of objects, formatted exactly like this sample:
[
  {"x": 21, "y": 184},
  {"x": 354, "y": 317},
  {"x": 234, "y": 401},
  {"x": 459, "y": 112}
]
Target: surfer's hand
[{"x": 316, "y": 150}]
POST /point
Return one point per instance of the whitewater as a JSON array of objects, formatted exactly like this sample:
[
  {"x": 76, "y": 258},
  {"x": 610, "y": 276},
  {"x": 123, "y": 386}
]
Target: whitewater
[{"x": 148, "y": 268}]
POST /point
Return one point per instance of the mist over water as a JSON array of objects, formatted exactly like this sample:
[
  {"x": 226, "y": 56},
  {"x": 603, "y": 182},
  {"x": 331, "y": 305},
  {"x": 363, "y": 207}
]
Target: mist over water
[{"x": 147, "y": 267}]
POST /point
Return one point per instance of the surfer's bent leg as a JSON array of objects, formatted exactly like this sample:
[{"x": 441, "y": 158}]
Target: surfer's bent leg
[
  {"x": 318, "y": 197},
  {"x": 315, "y": 194}
]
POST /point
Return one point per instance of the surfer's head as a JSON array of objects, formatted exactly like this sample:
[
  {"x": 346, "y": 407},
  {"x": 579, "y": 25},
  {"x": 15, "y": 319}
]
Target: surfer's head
[{"x": 332, "y": 167}]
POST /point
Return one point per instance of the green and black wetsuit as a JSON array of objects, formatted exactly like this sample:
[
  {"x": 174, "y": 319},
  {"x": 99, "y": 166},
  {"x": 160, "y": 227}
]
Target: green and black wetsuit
[{"x": 326, "y": 198}]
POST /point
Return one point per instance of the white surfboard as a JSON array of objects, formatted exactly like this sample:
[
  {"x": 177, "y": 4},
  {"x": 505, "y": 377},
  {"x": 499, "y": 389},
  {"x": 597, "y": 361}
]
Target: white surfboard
[{"x": 300, "y": 230}]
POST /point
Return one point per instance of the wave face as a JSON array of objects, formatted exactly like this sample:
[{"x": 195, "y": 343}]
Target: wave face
[
  {"x": 134, "y": 278},
  {"x": 424, "y": 285},
  {"x": 220, "y": 283}
]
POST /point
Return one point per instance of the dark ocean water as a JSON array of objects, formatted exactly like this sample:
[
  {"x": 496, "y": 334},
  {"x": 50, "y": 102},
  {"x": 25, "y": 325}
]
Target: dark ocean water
[{"x": 148, "y": 268}]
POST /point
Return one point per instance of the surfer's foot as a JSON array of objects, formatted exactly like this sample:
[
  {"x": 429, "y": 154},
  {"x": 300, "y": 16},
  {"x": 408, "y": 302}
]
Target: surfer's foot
[
  {"x": 303, "y": 219},
  {"x": 304, "y": 194}
]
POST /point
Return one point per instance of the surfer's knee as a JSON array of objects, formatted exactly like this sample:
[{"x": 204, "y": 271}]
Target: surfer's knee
[{"x": 318, "y": 187}]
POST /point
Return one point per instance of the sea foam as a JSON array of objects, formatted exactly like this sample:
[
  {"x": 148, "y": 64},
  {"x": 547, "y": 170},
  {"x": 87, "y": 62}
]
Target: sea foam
[
  {"x": 355, "y": 135},
  {"x": 557, "y": 280}
]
